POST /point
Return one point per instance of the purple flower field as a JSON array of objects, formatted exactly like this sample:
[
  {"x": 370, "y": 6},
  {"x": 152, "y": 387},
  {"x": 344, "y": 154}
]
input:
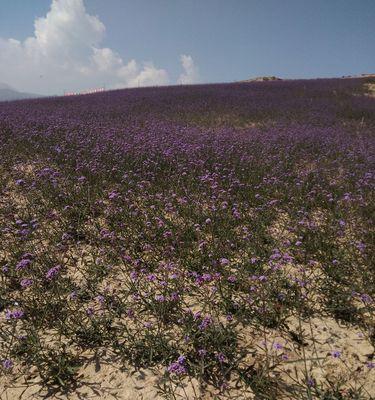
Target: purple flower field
[{"x": 197, "y": 242}]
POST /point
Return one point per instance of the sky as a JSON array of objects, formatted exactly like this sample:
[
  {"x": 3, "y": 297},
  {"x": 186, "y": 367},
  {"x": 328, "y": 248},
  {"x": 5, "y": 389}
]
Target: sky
[{"x": 56, "y": 46}]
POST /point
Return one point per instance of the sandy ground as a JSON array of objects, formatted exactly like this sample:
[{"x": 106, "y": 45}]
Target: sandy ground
[{"x": 103, "y": 377}]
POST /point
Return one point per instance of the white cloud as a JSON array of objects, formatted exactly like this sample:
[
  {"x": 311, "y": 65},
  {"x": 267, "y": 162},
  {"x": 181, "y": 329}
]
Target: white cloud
[
  {"x": 148, "y": 75},
  {"x": 191, "y": 72},
  {"x": 65, "y": 54},
  {"x": 105, "y": 59},
  {"x": 67, "y": 33}
]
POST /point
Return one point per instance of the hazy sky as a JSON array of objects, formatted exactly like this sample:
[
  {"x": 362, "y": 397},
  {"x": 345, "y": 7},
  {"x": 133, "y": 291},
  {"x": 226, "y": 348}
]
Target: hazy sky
[{"x": 48, "y": 46}]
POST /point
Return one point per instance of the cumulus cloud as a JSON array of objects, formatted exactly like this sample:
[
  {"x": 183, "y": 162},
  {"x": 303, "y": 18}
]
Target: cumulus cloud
[
  {"x": 191, "y": 72},
  {"x": 146, "y": 75},
  {"x": 65, "y": 54}
]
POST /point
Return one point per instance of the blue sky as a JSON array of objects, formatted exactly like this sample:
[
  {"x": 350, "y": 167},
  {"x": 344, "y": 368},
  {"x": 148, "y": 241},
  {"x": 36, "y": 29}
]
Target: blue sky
[{"x": 222, "y": 40}]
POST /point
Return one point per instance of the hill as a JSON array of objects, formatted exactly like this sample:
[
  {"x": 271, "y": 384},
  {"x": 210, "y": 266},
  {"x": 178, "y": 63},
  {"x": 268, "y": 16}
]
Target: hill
[
  {"x": 7, "y": 93},
  {"x": 189, "y": 242}
]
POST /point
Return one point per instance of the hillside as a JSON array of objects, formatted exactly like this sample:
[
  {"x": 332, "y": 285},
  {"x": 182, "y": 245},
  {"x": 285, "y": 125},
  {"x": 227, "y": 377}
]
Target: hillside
[
  {"x": 194, "y": 242},
  {"x": 9, "y": 94}
]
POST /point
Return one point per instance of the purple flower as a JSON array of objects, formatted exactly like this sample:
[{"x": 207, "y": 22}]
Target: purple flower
[
  {"x": 90, "y": 311},
  {"x": 7, "y": 364},
  {"x": 23, "y": 264},
  {"x": 133, "y": 275},
  {"x": 53, "y": 272},
  {"x": 236, "y": 214},
  {"x": 336, "y": 354},
  {"x": 151, "y": 277},
  {"x": 160, "y": 298},
  {"x": 167, "y": 234},
  {"x": 224, "y": 261},
  {"x": 176, "y": 368},
  {"x": 181, "y": 360},
  {"x": 366, "y": 298},
  {"x": 26, "y": 283},
  {"x": 127, "y": 258},
  {"x": 202, "y": 352},
  {"x": 15, "y": 314},
  {"x": 114, "y": 194},
  {"x": 311, "y": 382},
  {"x": 221, "y": 357},
  {"x": 24, "y": 232},
  {"x": 66, "y": 236},
  {"x": 73, "y": 295},
  {"x": 207, "y": 321},
  {"x": 196, "y": 315},
  {"x": 361, "y": 246},
  {"x": 175, "y": 296},
  {"x": 206, "y": 277},
  {"x": 232, "y": 279},
  {"x": 18, "y": 314}
]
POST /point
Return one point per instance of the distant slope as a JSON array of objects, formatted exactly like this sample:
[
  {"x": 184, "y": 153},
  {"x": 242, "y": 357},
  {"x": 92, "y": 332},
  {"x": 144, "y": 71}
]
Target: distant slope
[{"x": 7, "y": 93}]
